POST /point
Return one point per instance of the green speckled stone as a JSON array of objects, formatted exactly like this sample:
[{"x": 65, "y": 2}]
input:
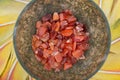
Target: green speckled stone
[{"x": 86, "y": 12}]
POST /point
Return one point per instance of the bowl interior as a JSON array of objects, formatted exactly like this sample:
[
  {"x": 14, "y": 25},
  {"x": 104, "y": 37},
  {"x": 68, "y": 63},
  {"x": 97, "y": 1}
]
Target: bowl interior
[{"x": 86, "y": 12}]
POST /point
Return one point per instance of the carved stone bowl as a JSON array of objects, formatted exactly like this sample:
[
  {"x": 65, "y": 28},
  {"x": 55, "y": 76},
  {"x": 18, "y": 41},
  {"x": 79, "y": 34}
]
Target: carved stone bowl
[{"x": 86, "y": 12}]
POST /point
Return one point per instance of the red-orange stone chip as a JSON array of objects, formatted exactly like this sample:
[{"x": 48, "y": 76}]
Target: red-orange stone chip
[
  {"x": 77, "y": 53},
  {"x": 38, "y": 24},
  {"x": 55, "y": 16},
  {"x": 60, "y": 41},
  {"x": 58, "y": 57},
  {"x": 42, "y": 30},
  {"x": 67, "y": 32},
  {"x": 67, "y": 66}
]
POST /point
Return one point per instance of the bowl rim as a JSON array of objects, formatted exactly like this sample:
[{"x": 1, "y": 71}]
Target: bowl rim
[{"x": 99, "y": 66}]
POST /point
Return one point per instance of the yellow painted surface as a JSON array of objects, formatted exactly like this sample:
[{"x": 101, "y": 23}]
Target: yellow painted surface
[{"x": 4, "y": 56}]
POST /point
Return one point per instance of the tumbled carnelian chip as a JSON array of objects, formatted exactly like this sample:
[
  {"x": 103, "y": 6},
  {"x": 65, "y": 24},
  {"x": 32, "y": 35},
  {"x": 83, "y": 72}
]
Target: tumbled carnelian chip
[
  {"x": 67, "y": 66},
  {"x": 77, "y": 53},
  {"x": 42, "y": 30},
  {"x": 57, "y": 26},
  {"x": 58, "y": 57},
  {"x": 38, "y": 24},
  {"x": 55, "y": 16},
  {"x": 67, "y": 32}
]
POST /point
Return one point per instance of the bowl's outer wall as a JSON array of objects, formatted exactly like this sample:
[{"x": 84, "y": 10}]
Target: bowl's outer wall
[{"x": 86, "y": 12}]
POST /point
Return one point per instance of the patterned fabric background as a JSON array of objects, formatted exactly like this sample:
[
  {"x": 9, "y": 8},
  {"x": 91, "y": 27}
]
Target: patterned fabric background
[{"x": 10, "y": 69}]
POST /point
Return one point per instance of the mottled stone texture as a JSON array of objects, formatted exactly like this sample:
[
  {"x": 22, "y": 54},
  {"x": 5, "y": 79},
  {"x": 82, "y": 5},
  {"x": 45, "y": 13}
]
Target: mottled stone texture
[{"x": 87, "y": 13}]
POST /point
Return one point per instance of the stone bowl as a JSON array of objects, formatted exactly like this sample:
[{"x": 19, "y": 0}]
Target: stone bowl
[{"x": 86, "y": 12}]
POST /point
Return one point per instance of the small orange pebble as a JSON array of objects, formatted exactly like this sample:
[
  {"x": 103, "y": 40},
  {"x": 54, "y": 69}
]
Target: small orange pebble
[
  {"x": 44, "y": 45},
  {"x": 48, "y": 24},
  {"x": 55, "y": 16},
  {"x": 79, "y": 38},
  {"x": 57, "y": 26},
  {"x": 69, "y": 46},
  {"x": 38, "y": 24},
  {"x": 63, "y": 24},
  {"x": 67, "y": 32},
  {"x": 47, "y": 66},
  {"x": 61, "y": 17},
  {"x": 65, "y": 52},
  {"x": 74, "y": 45},
  {"x": 44, "y": 61},
  {"x": 42, "y": 30},
  {"x": 37, "y": 43},
  {"x": 67, "y": 66},
  {"x": 34, "y": 38},
  {"x": 58, "y": 57},
  {"x": 70, "y": 27},
  {"x": 45, "y": 53},
  {"x": 77, "y": 53},
  {"x": 71, "y": 19}
]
